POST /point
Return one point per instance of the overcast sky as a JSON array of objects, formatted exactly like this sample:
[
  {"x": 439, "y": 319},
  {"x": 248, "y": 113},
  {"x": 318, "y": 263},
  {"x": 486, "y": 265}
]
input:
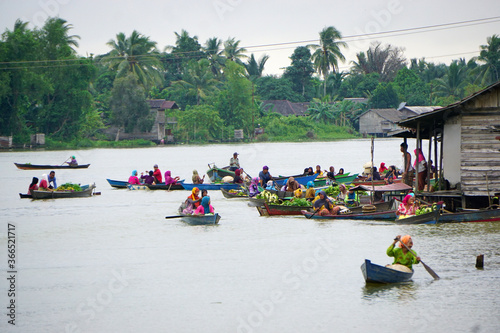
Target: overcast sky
[{"x": 259, "y": 24}]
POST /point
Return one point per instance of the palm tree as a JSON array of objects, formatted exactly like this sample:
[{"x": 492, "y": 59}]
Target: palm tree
[
  {"x": 490, "y": 55},
  {"x": 57, "y": 41},
  {"x": 255, "y": 68},
  {"x": 214, "y": 55},
  {"x": 233, "y": 52},
  {"x": 321, "y": 111},
  {"x": 136, "y": 54},
  {"x": 386, "y": 61},
  {"x": 327, "y": 54},
  {"x": 453, "y": 82},
  {"x": 198, "y": 81}
]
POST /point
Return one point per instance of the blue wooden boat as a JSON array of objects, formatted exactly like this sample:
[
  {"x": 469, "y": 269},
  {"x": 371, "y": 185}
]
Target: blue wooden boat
[
  {"x": 125, "y": 184},
  {"x": 207, "y": 219},
  {"x": 301, "y": 179},
  {"x": 226, "y": 186},
  {"x": 381, "y": 274},
  {"x": 117, "y": 183},
  {"x": 481, "y": 215}
]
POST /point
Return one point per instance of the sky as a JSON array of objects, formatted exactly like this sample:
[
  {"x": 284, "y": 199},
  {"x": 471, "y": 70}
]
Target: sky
[{"x": 275, "y": 27}]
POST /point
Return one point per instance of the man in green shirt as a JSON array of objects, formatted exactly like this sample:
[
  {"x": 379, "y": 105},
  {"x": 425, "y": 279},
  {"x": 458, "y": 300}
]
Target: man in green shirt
[{"x": 401, "y": 254}]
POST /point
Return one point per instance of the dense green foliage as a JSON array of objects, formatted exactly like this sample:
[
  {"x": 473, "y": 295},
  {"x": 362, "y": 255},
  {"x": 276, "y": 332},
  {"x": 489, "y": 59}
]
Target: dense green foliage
[{"x": 45, "y": 87}]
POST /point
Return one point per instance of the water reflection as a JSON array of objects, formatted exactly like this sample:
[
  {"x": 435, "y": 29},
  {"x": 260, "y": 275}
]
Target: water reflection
[{"x": 404, "y": 291}]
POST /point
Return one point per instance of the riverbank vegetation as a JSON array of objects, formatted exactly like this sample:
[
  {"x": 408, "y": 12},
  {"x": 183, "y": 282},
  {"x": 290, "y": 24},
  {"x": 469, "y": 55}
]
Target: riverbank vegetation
[{"x": 45, "y": 87}]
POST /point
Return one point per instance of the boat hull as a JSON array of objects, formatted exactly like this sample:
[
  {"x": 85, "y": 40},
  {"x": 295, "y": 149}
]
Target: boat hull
[
  {"x": 25, "y": 166},
  {"x": 490, "y": 215},
  {"x": 226, "y": 186},
  {"x": 124, "y": 184},
  {"x": 210, "y": 219},
  {"x": 382, "y": 215},
  {"x": 285, "y": 210},
  {"x": 427, "y": 218},
  {"x": 347, "y": 179},
  {"x": 230, "y": 195},
  {"x": 301, "y": 179},
  {"x": 380, "y": 274},
  {"x": 86, "y": 192}
]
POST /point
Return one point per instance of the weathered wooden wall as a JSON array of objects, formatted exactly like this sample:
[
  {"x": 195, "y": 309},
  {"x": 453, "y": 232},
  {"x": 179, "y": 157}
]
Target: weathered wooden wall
[{"x": 480, "y": 150}]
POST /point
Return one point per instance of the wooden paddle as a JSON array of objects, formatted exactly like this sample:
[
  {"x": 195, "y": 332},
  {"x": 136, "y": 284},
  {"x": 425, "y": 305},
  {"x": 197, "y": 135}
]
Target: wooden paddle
[
  {"x": 65, "y": 161},
  {"x": 313, "y": 213},
  {"x": 427, "y": 268},
  {"x": 173, "y": 216}
]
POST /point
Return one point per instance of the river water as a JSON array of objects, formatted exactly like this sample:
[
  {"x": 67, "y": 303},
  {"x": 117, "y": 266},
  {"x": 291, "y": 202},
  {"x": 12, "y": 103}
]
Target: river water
[{"x": 113, "y": 263}]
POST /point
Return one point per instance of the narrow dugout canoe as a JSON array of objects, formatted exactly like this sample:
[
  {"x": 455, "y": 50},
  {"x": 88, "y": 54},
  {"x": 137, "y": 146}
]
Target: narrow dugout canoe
[
  {"x": 207, "y": 219},
  {"x": 381, "y": 274},
  {"x": 86, "y": 191},
  {"x": 28, "y": 166}
]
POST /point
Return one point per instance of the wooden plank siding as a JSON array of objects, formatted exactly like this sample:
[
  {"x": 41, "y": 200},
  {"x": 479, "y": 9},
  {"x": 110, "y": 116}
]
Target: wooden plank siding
[{"x": 480, "y": 151}]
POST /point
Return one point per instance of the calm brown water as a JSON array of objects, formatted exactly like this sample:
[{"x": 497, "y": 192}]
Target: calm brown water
[{"x": 113, "y": 263}]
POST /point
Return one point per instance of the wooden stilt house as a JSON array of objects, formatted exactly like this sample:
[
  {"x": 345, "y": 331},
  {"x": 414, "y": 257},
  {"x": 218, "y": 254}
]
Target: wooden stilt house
[{"x": 462, "y": 143}]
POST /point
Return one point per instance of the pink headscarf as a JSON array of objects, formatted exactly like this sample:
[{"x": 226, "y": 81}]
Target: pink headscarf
[
  {"x": 420, "y": 156},
  {"x": 406, "y": 198}
]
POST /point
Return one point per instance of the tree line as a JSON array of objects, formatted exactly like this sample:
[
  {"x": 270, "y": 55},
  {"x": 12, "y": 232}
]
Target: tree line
[{"x": 46, "y": 87}]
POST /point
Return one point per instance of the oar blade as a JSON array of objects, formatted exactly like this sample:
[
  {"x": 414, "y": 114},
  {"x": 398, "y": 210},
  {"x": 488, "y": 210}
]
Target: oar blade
[
  {"x": 173, "y": 216},
  {"x": 431, "y": 272}
]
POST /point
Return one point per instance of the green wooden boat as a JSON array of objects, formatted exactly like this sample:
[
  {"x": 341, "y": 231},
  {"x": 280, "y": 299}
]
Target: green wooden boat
[{"x": 343, "y": 179}]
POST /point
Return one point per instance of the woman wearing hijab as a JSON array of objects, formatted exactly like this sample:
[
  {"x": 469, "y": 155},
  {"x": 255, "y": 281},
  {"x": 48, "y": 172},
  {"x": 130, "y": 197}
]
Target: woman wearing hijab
[
  {"x": 253, "y": 189},
  {"x": 192, "y": 202},
  {"x": 237, "y": 177},
  {"x": 382, "y": 168},
  {"x": 422, "y": 168},
  {"x": 330, "y": 176},
  {"x": 391, "y": 175},
  {"x": 169, "y": 180},
  {"x": 324, "y": 206},
  {"x": 34, "y": 185},
  {"x": 342, "y": 192},
  {"x": 401, "y": 254},
  {"x": 196, "y": 178},
  {"x": 407, "y": 207},
  {"x": 149, "y": 178},
  {"x": 205, "y": 207},
  {"x": 44, "y": 183},
  {"x": 292, "y": 185},
  {"x": 310, "y": 192},
  {"x": 133, "y": 179}
]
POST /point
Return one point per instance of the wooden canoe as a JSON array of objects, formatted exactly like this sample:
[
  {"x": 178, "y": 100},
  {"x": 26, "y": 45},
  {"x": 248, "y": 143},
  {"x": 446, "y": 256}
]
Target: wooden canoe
[
  {"x": 481, "y": 215},
  {"x": 254, "y": 202},
  {"x": 124, "y": 184},
  {"x": 207, "y": 219},
  {"x": 286, "y": 210},
  {"x": 117, "y": 183},
  {"x": 301, "y": 179},
  {"x": 229, "y": 195},
  {"x": 226, "y": 186},
  {"x": 380, "y": 215},
  {"x": 28, "y": 166},
  {"x": 215, "y": 173},
  {"x": 427, "y": 218},
  {"x": 342, "y": 179},
  {"x": 86, "y": 191},
  {"x": 381, "y": 274}
]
